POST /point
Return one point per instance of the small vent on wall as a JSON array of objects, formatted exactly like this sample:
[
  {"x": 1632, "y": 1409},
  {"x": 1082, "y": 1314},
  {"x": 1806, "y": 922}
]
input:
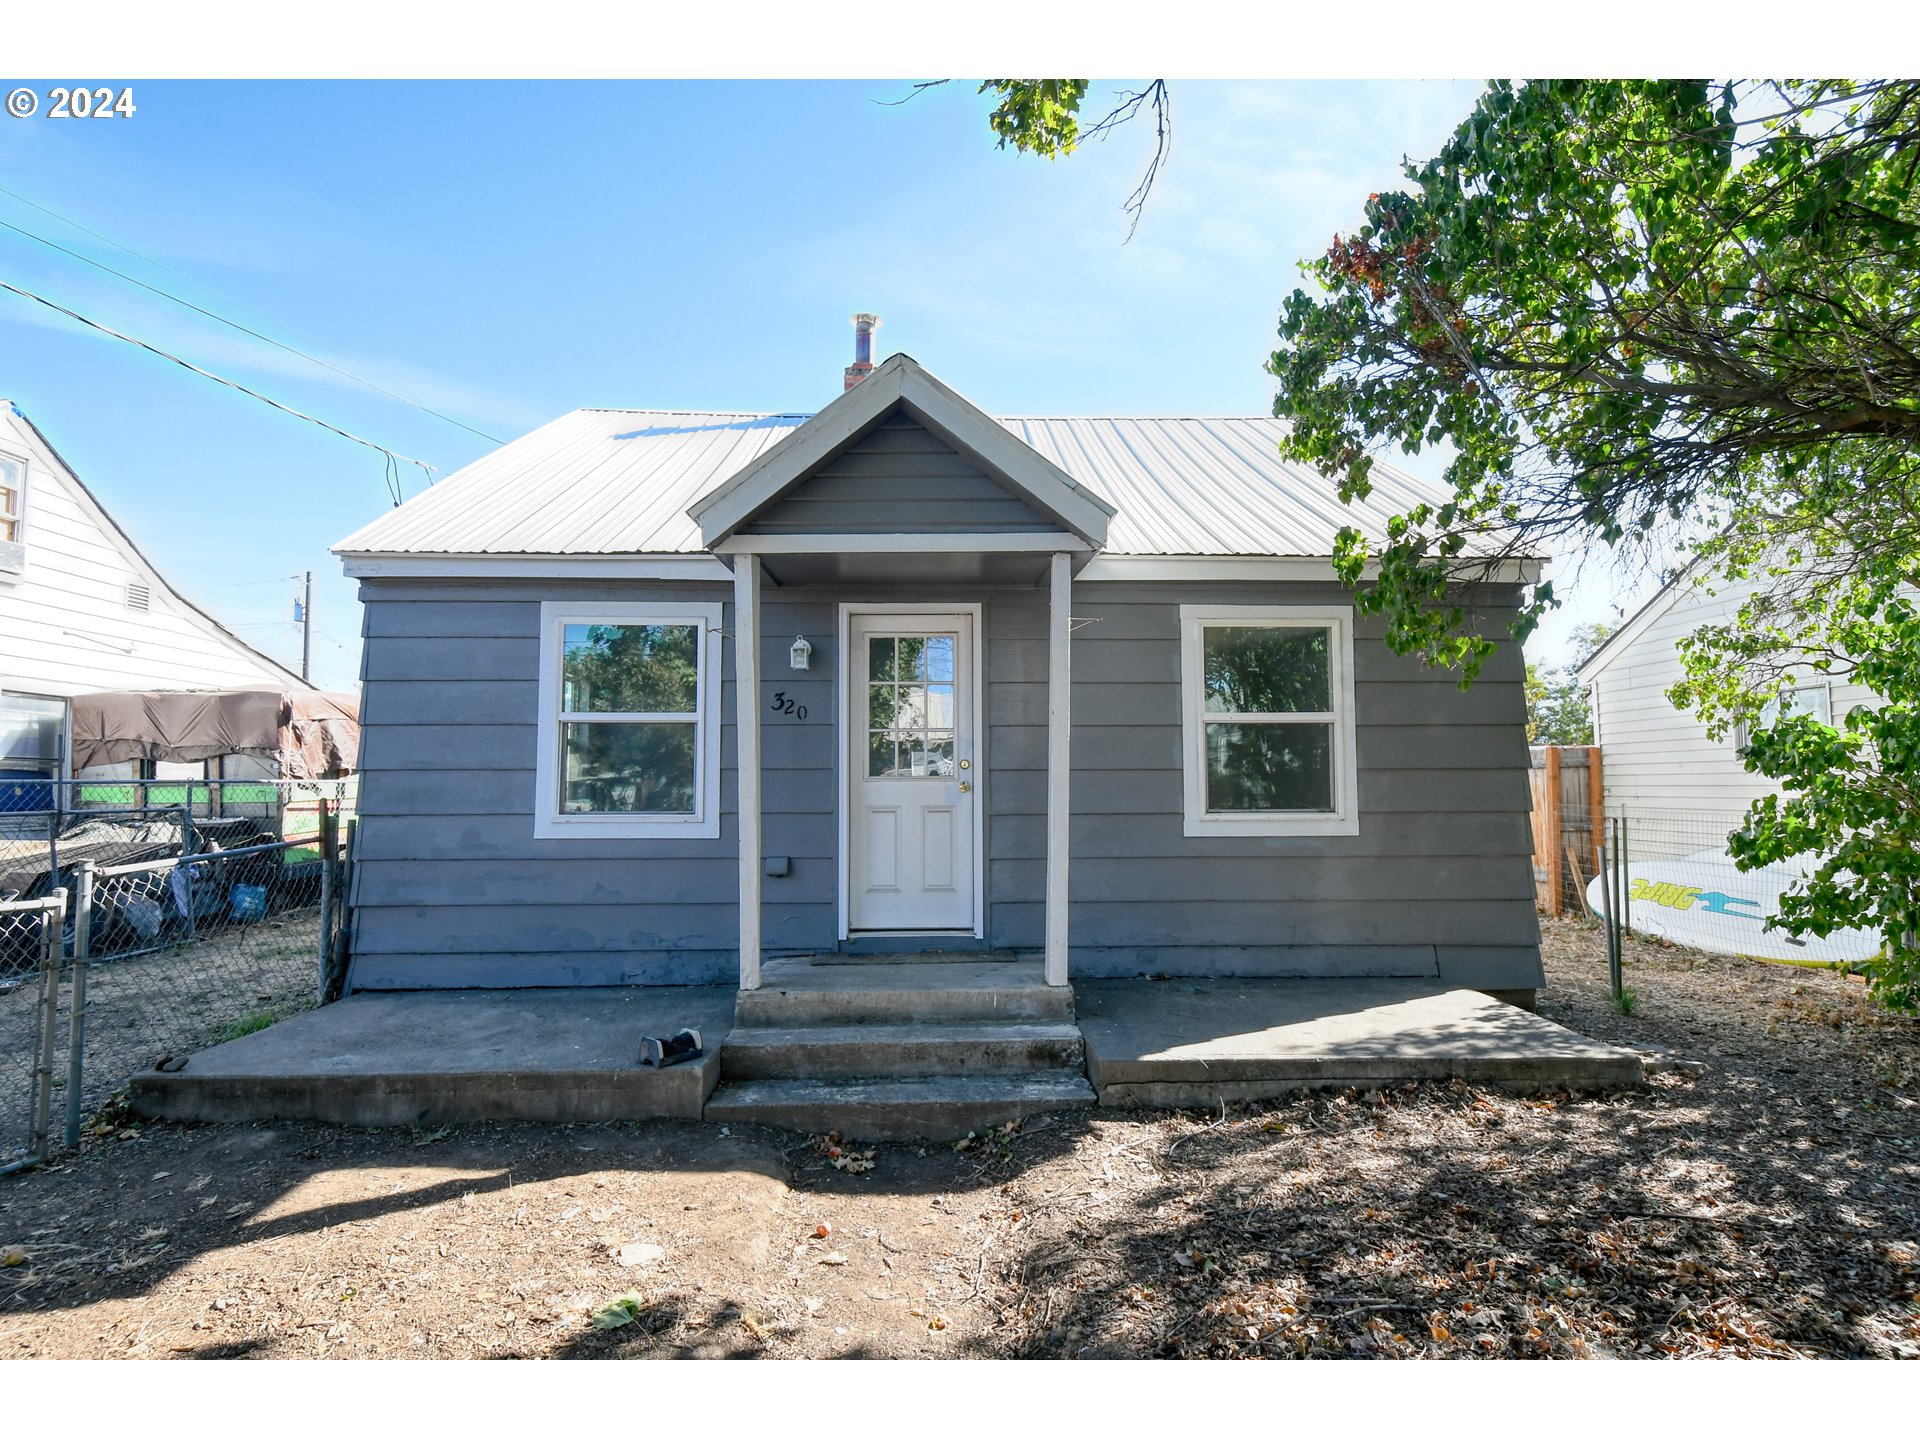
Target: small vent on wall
[{"x": 139, "y": 597}]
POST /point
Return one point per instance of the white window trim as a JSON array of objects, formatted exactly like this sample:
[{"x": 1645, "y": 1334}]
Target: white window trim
[
  {"x": 549, "y": 823},
  {"x": 12, "y": 551},
  {"x": 1344, "y": 818}
]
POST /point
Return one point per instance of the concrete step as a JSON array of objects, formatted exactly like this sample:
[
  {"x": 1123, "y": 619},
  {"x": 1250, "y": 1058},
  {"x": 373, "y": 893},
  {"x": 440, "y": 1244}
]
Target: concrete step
[
  {"x": 872, "y": 1051},
  {"x": 795, "y": 993},
  {"x": 930, "y": 1107}
]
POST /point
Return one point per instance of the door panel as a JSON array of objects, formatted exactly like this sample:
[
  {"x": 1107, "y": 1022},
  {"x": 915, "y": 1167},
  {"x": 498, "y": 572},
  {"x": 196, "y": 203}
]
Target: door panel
[{"x": 912, "y": 795}]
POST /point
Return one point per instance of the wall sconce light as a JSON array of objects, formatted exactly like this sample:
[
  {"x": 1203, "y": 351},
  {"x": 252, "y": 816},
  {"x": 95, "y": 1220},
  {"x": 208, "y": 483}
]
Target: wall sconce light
[{"x": 801, "y": 655}]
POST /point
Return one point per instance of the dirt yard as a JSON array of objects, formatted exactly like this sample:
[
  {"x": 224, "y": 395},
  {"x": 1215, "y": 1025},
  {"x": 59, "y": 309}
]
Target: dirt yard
[{"x": 1760, "y": 1197}]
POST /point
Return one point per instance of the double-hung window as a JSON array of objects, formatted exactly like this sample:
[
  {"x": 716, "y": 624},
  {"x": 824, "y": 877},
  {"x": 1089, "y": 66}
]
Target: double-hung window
[
  {"x": 1267, "y": 725},
  {"x": 13, "y": 505},
  {"x": 629, "y": 721}
]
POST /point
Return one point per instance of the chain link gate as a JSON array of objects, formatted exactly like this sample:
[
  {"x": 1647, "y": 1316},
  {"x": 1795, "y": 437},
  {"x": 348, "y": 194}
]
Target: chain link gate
[
  {"x": 31, "y": 944},
  {"x": 138, "y": 965}
]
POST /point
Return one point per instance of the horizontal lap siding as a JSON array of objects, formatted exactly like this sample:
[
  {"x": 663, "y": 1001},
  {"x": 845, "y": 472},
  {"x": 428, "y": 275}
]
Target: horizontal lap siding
[
  {"x": 1660, "y": 758},
  {"x": 452, "y": 887},
  {"x": 1438, "y": 881}
]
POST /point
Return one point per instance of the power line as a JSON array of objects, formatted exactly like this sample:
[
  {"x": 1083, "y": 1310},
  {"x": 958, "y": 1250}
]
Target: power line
[
  {"x": 393, "y": 456},
  {"x": 236, "y": 325}
]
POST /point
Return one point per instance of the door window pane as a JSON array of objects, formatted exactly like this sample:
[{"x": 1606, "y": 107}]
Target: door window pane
[
  {"x": 912, "y": 697},
  {"x": 631, "y": 669},
  {"x": 1279, "y": 766},
  {"x": 1266, "y": 669},
  {"x": 617, "y": 769}
]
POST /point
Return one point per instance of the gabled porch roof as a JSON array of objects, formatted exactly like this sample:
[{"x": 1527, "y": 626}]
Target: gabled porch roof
[{"x": 898, "y": 385}]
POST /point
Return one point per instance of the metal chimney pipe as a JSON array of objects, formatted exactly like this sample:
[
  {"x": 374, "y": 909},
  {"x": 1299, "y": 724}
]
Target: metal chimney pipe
[{"x": 863, "y": 327}]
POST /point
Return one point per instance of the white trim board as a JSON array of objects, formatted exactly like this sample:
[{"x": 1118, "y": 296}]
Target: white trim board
[
  {"x": 363, "y": 566},
  {"x": 1112, "y": 569},
  {"x": 1019, "y": 541},
  {"x": 704, "y": 822}
]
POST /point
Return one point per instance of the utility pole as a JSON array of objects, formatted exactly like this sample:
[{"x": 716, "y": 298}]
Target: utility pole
[{"x": 306, "y": 631}]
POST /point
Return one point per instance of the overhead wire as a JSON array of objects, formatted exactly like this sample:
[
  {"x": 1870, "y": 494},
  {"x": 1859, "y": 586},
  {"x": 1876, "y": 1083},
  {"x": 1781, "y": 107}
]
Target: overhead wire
[
  {"x": 393, "y": 456},
  {"x": 213, "y": 315},
  {"x": 245, "y": 330}
]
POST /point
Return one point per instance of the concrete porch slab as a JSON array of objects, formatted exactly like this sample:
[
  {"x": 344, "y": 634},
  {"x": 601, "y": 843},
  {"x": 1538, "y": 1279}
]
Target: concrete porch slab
[
  {"x": 436, "y": 1056},
  {"x": 1197, "y": 1042}
]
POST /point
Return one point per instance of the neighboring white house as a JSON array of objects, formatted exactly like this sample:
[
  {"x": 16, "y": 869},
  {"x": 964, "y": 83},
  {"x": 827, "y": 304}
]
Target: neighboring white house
[
  {"x": 81, "y": 609},
  {"x": 1658, "y": 757}
]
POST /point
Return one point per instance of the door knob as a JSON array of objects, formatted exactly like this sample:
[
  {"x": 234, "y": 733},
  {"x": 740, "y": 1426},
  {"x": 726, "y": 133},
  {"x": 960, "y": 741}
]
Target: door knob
[{"x": 966, "y": 787}]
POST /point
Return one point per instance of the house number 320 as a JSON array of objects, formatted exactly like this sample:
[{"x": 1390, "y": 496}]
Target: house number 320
[{"x": 784, "y": 704}]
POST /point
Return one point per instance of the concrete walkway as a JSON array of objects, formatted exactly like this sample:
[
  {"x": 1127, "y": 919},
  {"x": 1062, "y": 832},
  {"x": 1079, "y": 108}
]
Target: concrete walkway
[
  {"x": 571, "y": 1056},
  {"x": 430, "y": 1057},
  {"x": 1197, "y": 1042}
]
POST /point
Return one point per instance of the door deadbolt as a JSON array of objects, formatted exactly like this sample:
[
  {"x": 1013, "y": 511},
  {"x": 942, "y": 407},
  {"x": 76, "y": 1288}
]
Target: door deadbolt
[{"x": 966, "y": 764}]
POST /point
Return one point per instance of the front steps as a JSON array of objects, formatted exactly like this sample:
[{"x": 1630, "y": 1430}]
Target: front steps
[{"x": 909, "y": 1050}]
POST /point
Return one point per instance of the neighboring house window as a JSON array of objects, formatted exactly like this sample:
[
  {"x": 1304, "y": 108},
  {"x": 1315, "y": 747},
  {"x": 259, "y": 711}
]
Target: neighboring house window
[
  {"x": 629, "y": 721},
  {"x": 13, "y": 506},
  {"x": 1267, "y": 720},
  {"x": 30, "y": 731},
  {"x": 1815, "y": 700}
]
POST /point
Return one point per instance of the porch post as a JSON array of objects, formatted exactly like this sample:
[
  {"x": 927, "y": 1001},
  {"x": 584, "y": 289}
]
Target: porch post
[
  {"x": 746, "y": 720},
  {"x": 1059, "y": 761}
]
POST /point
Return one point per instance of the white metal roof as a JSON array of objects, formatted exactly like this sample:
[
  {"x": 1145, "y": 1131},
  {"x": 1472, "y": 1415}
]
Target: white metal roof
[{"x": 620, "y": 482}]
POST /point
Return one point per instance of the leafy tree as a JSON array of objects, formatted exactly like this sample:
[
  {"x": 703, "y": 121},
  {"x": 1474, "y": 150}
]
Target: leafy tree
[
  {"x": 1671, "y": 317},
  {"x": 1557, "y": 712}
]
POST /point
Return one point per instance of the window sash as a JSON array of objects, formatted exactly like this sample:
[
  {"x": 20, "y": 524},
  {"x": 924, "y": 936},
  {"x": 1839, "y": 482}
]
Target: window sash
[
  {"x": 1340, "y": 816},
  {"x": 551, "y": 817}
]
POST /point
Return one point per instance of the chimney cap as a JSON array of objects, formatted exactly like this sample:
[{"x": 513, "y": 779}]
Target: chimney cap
[{"x": 866, "y": 321}]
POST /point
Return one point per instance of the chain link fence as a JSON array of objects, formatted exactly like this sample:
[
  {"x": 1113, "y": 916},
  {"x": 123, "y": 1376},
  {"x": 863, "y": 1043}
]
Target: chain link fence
[
  {"x": 47, "y": 827},
  {"x": 142, "y": 963},
  {"x": 30, "y": 938}
]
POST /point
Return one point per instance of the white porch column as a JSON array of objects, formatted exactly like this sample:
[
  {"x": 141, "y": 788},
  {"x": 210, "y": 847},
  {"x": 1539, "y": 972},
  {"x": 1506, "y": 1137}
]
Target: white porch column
[
  {"x": 1059, "y": 761},
  {"x": 746, "y": 721}
]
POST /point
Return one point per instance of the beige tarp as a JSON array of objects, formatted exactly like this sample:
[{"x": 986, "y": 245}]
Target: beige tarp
[{"x": 308, "y": 734}]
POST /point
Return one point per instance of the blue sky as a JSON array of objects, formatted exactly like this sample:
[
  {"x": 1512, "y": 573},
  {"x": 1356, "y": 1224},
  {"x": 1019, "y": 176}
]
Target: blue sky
[{"x": 504, "y": 252}]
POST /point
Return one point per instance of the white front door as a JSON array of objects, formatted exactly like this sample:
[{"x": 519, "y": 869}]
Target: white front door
[{"x": 912, "y": 791}]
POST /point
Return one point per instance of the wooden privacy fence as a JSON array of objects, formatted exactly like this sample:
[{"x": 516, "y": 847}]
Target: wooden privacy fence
[{"x": 1566, "y": 781}]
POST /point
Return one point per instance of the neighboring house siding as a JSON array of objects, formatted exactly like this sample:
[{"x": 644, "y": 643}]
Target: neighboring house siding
[
  {"x": 899, "y": 478},
  {"x": 1658, "y": 757},
  {"x": 453, "y": 890},
  {"x": 65, "y": 625}
]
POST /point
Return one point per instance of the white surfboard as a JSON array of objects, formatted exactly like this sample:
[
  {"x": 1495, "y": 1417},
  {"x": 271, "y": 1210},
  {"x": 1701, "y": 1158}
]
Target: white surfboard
[{"x": 1705, "y": 901}]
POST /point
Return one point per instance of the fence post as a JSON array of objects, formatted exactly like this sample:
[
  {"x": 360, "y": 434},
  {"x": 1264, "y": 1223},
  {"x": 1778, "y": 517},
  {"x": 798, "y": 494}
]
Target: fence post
[
  {"x": 1596, "y": 802},
  {"x": 53, "y": 848},
  {"x": 1556, "y": 898},
  {"x": 77, "y": 996},
  {"x": 343, "y": 902},
  {"x": 1625, "y": 883},
  {"x": 327, "y": 880},
  {"x": 51, "y": 952}
]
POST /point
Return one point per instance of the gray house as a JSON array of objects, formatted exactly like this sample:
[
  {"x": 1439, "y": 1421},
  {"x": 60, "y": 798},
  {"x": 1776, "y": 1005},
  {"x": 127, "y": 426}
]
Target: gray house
[{"x": 656, "y": 697}]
